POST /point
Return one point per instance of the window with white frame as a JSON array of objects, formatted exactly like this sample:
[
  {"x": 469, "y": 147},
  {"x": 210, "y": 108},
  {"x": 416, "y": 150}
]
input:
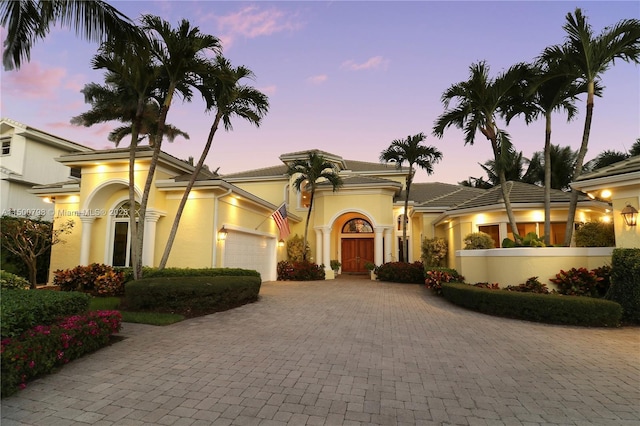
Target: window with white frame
[{"x": 6, "y": 146}]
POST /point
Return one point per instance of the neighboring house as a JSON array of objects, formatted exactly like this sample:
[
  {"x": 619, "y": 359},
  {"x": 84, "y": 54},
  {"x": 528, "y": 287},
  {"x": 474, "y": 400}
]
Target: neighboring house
[
  {"x": 27, "y": 159},
  {"x": 359, "y": 223},
  {"x": 620, "y": 183}
]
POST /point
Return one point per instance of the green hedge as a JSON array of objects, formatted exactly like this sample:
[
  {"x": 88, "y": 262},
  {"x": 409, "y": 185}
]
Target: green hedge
[
  {"x": 191, "y": 296},
  {"x": 24, "y": 309},
  {"x": 552, "y": 309},
  {"x": 625, "y": 282},
  {"x": 189, "y": 272}
]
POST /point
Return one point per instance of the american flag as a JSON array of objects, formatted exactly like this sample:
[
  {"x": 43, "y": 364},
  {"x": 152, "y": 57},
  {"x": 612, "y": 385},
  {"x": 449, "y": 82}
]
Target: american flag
[{"x": 280, "y": 216}]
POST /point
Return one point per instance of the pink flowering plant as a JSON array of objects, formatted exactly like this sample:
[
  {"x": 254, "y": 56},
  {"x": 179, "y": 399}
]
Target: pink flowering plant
[
  {"x": 436, "y": 276},
  {"x": 42, "y": 348}
]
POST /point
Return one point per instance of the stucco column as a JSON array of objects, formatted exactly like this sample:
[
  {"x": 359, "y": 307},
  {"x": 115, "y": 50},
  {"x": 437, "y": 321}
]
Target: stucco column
[
  {"x": 85, "y": 239},
  {"x": 378, "y": 249},
  {"x": 326, "y": 247},
  {"x": 318, "y": 258},
  {"x": 388, "y": 244},
  {"x": 148, "y": 249}
]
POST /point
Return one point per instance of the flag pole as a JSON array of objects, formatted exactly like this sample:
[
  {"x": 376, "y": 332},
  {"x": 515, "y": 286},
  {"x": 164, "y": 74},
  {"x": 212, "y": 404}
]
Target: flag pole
[{"x": 268, "y": 217}]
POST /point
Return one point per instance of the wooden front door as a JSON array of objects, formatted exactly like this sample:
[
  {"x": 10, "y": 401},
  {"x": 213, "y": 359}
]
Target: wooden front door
[{"x": 355, "y": 253}]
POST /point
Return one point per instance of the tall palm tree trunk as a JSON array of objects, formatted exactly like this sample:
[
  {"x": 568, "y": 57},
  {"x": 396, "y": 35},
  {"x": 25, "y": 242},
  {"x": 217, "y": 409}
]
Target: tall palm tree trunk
[
  {"x": 547, "y": 179},
  {"x": 404, "y": 253},
  {"x": 185, "y": 196},
  {"x": 573, "y": 203},
  {"x": 151, "y": 173},
  {"x": 133, "y": 225},
  {"x": 306, "y": 226}
]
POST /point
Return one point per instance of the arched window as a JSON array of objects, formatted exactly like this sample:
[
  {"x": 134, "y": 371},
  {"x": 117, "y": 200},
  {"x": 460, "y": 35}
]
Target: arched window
[
  {"x": 357, "y": 226},
  {"x": 120, "y": 234}
]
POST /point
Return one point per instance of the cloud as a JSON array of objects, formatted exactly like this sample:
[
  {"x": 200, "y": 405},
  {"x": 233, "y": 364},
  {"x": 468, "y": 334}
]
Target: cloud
[
  {"x": 33, "y": 81},
  {"x": 318, "y": 79},
  {"x": 376, "y": 62},
  {"x": 252, "y": 22},
  {"x": 269, "y": 90}
]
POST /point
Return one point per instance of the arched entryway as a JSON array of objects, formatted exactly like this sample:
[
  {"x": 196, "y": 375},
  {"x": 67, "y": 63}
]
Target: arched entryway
[{"x": 357, "y": 245}]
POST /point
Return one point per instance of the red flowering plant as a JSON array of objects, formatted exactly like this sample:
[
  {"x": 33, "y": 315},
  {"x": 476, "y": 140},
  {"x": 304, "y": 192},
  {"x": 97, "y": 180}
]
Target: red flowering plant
[
  {"x": 42, "y": 348},
  {"x": 577, "y": 282},
  {"x": 437, "y": 276}
]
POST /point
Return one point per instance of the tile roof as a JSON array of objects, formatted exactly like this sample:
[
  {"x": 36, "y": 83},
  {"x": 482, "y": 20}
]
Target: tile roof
[
  {"x": 630, "y": 165},
  {"x": 439, "y": 194},
  {"x": 365, "y": 180},
  {"x": 275, "y": 171},
  {"x": 519, "y": 193}
]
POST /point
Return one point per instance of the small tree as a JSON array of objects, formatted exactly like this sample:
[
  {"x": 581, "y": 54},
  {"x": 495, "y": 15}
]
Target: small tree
[
  {"x": 30, "y": 238},
  {"x": 434, "y": 251}
]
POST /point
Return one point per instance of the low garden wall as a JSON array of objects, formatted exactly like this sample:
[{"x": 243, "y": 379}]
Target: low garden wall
[{"x": 512, "y": 266}]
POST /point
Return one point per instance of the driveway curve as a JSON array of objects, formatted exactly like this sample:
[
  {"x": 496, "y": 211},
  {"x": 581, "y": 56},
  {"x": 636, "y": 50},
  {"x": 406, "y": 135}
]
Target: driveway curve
[{"x": 345, "y": 352}]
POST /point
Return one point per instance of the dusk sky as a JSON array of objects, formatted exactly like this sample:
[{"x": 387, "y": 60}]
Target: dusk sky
[{"x": 343, "y": 77}]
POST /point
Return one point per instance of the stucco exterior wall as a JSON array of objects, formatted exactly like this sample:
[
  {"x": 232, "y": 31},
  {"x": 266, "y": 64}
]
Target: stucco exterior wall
[
  {"x": 626, "y": 236},
  {"x": 514, "y": 266}
]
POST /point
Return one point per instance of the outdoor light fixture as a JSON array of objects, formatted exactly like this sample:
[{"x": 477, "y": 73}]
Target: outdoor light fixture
[
  {"x": 281, "y": 243},
  {"x": 222, "y": 234},
  {"x": 630, "y": 215}
]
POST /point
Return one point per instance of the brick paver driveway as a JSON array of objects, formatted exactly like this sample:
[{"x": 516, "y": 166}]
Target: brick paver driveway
[{"x": 345, "y": 352}]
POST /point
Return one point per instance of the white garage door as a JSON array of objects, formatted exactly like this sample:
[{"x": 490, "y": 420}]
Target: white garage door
[{"x": 249, "y": 251}]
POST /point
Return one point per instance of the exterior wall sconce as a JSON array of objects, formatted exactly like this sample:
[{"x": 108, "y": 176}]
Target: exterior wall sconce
[
  {"x": 281, "y": 243},
  {"x": 630, "y": 215},
  {"x": 222, "y": 234}
]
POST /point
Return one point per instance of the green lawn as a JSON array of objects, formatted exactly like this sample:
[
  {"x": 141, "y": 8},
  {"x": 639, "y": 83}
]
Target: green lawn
[{"x": 152, "y": 318}]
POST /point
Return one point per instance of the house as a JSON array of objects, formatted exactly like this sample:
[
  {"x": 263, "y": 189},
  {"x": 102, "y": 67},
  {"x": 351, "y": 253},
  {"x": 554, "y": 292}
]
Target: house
[
  {"x": 359, "y": 223},
  {"x": 27, "y": 159},
  {"x": 620, "y": 183}
]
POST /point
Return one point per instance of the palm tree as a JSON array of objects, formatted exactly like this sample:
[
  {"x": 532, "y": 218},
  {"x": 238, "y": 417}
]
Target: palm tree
[
  {"x": 514, "y": 168},
  {"x": 562, "y": 160},
  {"x": 228, "y": 98},
  {"x": 130, "y": 95},
  {"x": 606, "y": 157},
  {"x": 411, "y": 151},
  {"x": 587, "y": 57},
  {"x": 180, "y": 55},
  {"x": 635, "y": 148},
  {"x": 552, "y": 92},
  {"x": 28, "y": 20},
  {"x": 479, "y": 101},
  {"x": 309, "y": 173}
]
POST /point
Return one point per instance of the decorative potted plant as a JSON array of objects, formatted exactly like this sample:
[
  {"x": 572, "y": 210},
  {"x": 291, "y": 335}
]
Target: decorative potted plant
[
  {"x": 335, "y": 265},
  {"x": 371, "y": 267}
]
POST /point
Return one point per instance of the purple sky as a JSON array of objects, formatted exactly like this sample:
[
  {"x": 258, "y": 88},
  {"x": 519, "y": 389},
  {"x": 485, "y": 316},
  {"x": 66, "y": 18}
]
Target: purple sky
[{"x": 343, "y": 77}]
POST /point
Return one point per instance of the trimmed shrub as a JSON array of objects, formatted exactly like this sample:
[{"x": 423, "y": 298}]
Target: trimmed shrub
[
  {"x": 492, "y": 286},
  {"x": 531, "y": 286},
  {"x": 595, "y": 234},
  {"x": 9, "y": 281},
  {"x": 437, "y": 276},
  {"x": 42, "y": 348},
  {"x": 478, "y": 241},
  {"x": 434, "y": 251},
  {"x": 97, "y": 279},
  {"x": 22, "y": 310},
  {"x": 552, "y": 309},
  {"x": 401, "y": 272},
  {"x": 604, "y": 279},
  {"x": 625, "y": 282},
  {"x": 191, "y": 296},
  {"x": 148, "y": 272},
  {"x": 577, "y": 282},
  {"x": 299, "y": 271}
]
